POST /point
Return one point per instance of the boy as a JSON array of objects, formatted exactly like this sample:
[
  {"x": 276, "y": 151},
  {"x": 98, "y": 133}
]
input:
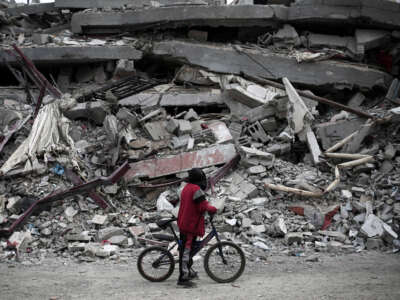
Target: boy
[{"x": 193, "y": 205}]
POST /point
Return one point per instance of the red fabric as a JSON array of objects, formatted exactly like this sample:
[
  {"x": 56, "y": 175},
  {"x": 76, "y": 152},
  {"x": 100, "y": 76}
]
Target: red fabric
[
  {"x": 189, "y": 240},
  {"x": 191, "y": 214}
]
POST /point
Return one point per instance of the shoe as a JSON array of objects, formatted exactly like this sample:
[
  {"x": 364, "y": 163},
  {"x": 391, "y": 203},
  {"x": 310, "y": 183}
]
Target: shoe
[
  {"x": 186, "y": 284},
  {"x": 193, "y": 275}
]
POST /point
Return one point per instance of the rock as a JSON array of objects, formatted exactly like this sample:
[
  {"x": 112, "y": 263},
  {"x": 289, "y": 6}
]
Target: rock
[
  {"x": 372, "y": 226},
  {"x": 106, "y": 233},
  {"x": 99, "y": 219},
  {"x": 70, "y": 212},
  {"x": 184, "y": 127},
  {"x": 118, "y": 240},
  {"x": 13, "y": 204},
  {"x": 21, "y": 240},
  {"x": 279, "y": 228},
  {"x": 373, "y": 244},
  {"x": 191, "y": 115},
  {"x": 256, "y": 170},
  {"x": 334, "y": 246},
  {"x": 259, "y": 201},
  {"x": 294, "y": 237}
]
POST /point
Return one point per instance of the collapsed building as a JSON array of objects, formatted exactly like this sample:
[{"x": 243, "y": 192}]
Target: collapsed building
[{"x": 290, "y": 107}]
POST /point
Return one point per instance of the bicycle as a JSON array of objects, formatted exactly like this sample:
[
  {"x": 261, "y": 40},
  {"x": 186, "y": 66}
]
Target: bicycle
[{"x": 224, "y": 255}]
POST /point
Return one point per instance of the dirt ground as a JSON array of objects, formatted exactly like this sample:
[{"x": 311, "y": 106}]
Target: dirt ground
[{"x": 369, "y": 275}]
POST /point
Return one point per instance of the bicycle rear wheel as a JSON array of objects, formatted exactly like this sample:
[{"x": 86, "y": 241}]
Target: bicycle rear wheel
[
  {"x": 226, "y": 267},
  {"x": 155, "y": 264}
]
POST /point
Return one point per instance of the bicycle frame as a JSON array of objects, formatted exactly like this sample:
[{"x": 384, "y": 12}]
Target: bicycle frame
[{"x": 213, "y": 233}]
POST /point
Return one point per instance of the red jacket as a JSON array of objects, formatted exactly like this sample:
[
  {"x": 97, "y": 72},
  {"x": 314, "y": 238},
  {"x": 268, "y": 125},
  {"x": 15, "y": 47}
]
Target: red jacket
[{"x": 191, "y": 211}]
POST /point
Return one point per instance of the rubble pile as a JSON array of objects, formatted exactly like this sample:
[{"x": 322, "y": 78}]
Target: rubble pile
[{"x": 290, "y": 107}]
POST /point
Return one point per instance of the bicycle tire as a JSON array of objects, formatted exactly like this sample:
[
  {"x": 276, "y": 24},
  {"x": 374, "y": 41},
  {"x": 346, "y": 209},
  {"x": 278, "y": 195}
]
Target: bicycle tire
[
  {"x": 168, "y": 260},
  {"x": 239, "y": 255}
]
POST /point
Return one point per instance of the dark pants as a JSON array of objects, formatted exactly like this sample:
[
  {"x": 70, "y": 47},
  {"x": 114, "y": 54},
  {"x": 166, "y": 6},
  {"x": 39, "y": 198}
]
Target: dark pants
[{"x": 181, "y": 249}]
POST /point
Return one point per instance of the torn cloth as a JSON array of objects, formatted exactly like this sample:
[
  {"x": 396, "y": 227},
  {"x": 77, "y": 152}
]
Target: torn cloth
[{"x": 49, "y": 133}]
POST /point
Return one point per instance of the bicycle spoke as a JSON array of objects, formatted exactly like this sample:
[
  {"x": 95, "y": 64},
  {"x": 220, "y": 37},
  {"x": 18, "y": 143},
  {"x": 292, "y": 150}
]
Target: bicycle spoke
[{"x": 232, "y": 259}]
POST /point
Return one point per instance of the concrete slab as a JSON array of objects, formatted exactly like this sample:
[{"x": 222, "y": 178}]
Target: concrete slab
[
  {"x": 82, "y": 4},
  {"x": 74, "y": 54},
  {"x": 379, "y": 13},
  {"x": 212, "y": 16},
  {"x": 214, "y": 57},
  {"x": 33, "y": 9},
  {"x": 333, "y": 132},
  {"x": 182, "y": 162}
]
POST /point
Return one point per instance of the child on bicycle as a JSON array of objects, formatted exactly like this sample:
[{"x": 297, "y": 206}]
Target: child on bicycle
[{"x": 193, "y": 205}]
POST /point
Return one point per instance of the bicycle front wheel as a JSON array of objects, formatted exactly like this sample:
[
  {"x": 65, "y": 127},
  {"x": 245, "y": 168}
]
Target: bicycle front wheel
[
  {"x": 224, "y": 262},
  {"x": 155, "y": 264}
]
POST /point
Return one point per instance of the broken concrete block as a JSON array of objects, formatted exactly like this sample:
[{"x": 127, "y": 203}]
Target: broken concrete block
[
  {"x": 179, "y": 142},
  {"x": 157, "y": 130},
  {"x": 110, "y": 125},
  {"x": 172, "y": 126},
  {"x": 80, "y": 237},
  {"x": 136, "y": 231},
  {"x": 269, "y": 124},
  {"x": 278, "y": 228},
  {"x": 257, "y": 229},
  {"x": 335, "y": 235},
  {"x": 125, "y": 115},
  {"x": 286, "y": 37},
  {"x": 70, "y": 212},
  {"x": 256, "y": 170},
  {"x": 21, "y": 240},
  {"x": 246, "y": 222},
  {"x": 118, "y": 240},
  {"x": 374, "y": 244},
  {"x": 354, "y": 144},
  {"x": 13, "y": 204},
  {"x": 198, "y": 35},
  {"x": 373, "y": 226},
  {"x": 64, "y": 78},
  {"x": 334, "y": 246},
  {"x": 99, "y": 219},
  {"x": 368, "y": 39},
  {"x": 356, "y": 100},
  {"x": 260, "y": 112},
  {"x": 109, "y": 232},
  {"x": 235, "y": 129},
  {"x": 390, "y": 151},
  {"x": 279, "y": 149},
  {"x": 332, "y": 132},
  {"x": 294, "y": 237},
  {"x": 313, "y": 146},
  {"x": 258, "y": 133},
  {"x": 256, "y": 156},
  {"x": 124, "y": 68},
  {"x": 94, "y": 111},
  {"x": 260, "y": 201},
  {"x": 220, "y": 132},
  {"x": 184, "y": 127},
  {"x": 191, "y": 115}
]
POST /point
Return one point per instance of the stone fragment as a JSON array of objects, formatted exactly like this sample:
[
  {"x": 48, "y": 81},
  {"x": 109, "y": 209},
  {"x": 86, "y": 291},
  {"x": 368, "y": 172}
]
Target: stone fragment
[
  {"x": 269, "y": 124},
  {"x": 95, "y": 111},
  {"x": 157, "y": 130},
  {"x": 136, "y": 231},
  {"x": 191, "y": 115},
  {"x": 184, "y": 127},
  {"x": 100, "y": 75},
  {"x": 20, "y": 239},
  {"x": 356, "y": 100},
  {"x": 372, "y": 226},
  {"x": 125, "y": 114},
  {"x": 172, "y": 126},
  {"x": 118, "y": 240},
  {"x": 260, "y": 201},
  {"x": 257, "y": 229},
  {"x": 374, "y": 244},
  {"x": 109, "y": 232},
  {"x": 390, "y": 151},
  {"x": 258, "y": 133},
  {"x": 70, "y": 212},
  {"x": 256, "y": 157},
  {"x": 99, "y": 219},
  {"x": 313, "y": 146},
  {"x": 220, "y": 132},
  {"x": 40, "y": 39},
  {"x": 279, "y": 228},
  {"x": 81, "y": 237},
  {"x": 13, "y": 204},
  {"x": 256, "y": 170},
  {"x": 294, "y": 237},
  {"x": 335, "y": 235}
]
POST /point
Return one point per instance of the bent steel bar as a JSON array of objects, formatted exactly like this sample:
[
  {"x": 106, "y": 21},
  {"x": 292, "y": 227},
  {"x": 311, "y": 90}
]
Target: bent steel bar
[{"x": 79, "y": 189}]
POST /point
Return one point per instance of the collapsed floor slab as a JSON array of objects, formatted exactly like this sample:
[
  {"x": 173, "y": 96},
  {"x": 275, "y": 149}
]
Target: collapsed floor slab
[
  {"x": 383, "y": 14},
  {"x": 30, "y": 9},
  {"x": 82, "y": 4},
  {"x": 214, "y": 16},
  {"x": 158, "y": 167},
  {"x": 267, "y": 64},
  {"x": 74, "y": 54}
]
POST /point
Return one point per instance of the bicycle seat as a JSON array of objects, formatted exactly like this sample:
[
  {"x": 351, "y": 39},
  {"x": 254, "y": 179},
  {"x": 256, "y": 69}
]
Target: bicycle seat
[{"x": 163, "y": 223}]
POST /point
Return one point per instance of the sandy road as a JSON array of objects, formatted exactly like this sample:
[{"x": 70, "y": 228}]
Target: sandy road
[{"x": 355, "y": 276}]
